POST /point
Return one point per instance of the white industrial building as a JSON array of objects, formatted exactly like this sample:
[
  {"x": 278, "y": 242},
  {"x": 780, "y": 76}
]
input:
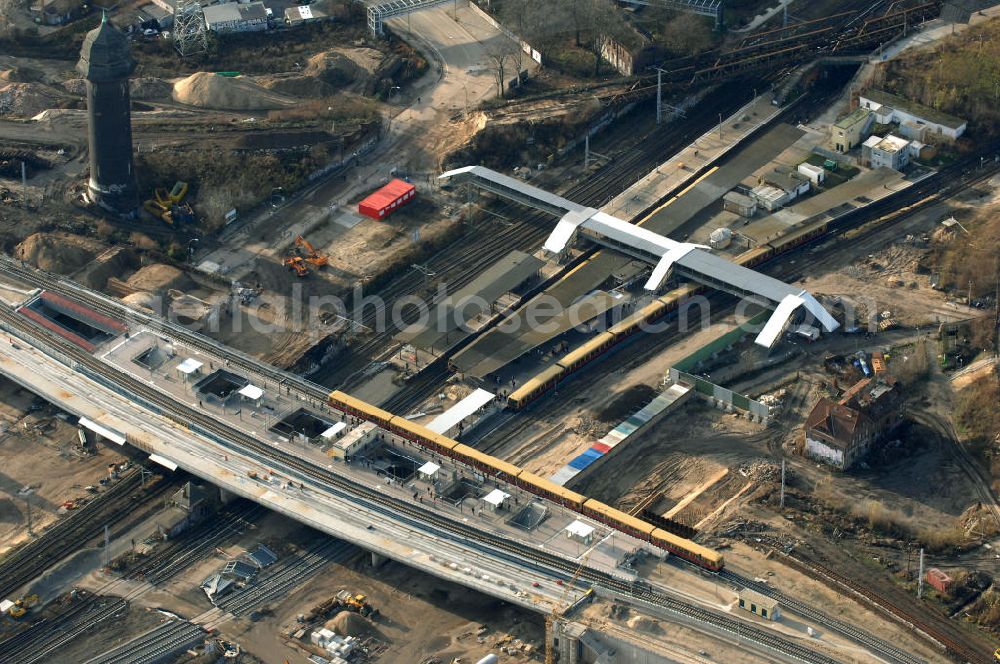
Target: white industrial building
[
  {"x": 815, "y": 174},
  {"x": 236, "y": 17},
  {"x": 301, "y": 14},
  {"x": 889, "y": 152},
  {"x": 345, "y": 446},
  {"x": 915, "y": 121},
  {"x": 779, "y": 189}
]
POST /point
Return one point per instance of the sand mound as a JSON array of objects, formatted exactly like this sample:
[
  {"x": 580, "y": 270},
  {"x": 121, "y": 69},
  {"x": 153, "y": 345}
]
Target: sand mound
[
  {"x": 158, "y": 277},
  {"x": 347, "y": 623},
  {"x": 141, "y": 301},
  {"x": 295, "y": 85},
  {"x": 368, "y": 59},
  {"x": 26, "y": 99},
  {"x": 335, "y": 69},
  {"x": 643, "y": 624},
  {"x": 207, "y": 90},
  {"x": 57, "y": 252}
]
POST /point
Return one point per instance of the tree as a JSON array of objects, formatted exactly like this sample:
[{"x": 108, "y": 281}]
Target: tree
[
  {"x": 601, "y": 21},
  {"x": 7, "y": 8},
  {"x": 687, "y": 34},
  {"x": 499, "y": 52}
]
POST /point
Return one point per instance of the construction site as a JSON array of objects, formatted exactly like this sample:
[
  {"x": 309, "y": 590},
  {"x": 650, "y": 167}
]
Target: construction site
[{"x": 457, "y": 331}]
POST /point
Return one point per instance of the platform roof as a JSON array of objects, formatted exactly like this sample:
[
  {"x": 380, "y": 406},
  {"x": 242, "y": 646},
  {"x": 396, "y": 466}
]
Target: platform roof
[
  {"x": 471, "y": 300},
  {"x": 428, "y": 468},
  {"x": 496, "y": 497},
  {"x": 498, "y": 347},
  {"x": 252, "y": 392},
  {"x": 333, "y": 430},
  {"x": 189, "y": 366},
  {"x": 580, "y": 529},
  {"x": 674, "y": 217},
  {"x": 460, "y": 411}
]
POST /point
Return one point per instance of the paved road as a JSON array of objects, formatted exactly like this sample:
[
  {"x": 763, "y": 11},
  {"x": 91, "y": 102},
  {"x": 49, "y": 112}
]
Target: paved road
[{"x": 459, "y": 77}]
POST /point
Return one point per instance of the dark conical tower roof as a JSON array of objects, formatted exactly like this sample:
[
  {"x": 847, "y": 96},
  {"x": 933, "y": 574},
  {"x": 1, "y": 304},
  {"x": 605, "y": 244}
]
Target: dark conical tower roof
[{"x": 105, "y": 54}]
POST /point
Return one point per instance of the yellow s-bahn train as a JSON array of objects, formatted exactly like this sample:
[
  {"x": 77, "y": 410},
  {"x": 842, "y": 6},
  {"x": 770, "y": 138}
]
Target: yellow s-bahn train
[
  {"x": 489, "y": 465},
  {"x": 658, "y": 308}
]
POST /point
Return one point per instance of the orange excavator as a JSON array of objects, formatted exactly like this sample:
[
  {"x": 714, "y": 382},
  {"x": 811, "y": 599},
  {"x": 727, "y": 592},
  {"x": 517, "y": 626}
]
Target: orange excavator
[
  {"x": 297, "y": 265},
  {"x": 312, "y": 256}
]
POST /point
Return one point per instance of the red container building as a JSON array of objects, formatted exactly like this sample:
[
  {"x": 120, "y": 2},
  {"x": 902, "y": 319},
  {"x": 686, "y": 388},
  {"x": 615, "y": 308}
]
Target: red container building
[
  {"x": 387, "y": 199},
  {"x": 938, "y": 580}
]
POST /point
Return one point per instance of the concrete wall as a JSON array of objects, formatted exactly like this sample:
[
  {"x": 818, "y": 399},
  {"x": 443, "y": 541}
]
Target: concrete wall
[
  {"x": 585, "y": 646},
  {"x": 720, "y": 396},
  {"x": 528, "y": 49}
]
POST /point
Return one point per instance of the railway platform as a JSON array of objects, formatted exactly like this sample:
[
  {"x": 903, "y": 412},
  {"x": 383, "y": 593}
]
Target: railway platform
[
  {"x": 210, "y": 454},
  {"x": 639, "y": 199}
]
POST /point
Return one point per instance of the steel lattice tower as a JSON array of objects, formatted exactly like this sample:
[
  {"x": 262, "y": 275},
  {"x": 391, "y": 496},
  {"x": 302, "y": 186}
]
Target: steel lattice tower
[{"x": 190, "y": 33}]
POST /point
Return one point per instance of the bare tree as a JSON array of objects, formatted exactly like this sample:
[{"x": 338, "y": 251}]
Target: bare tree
[
  {"x": 687, "y": 34},
  {"x": 7, "y": 8},
  {"x": 591, "y": 22},
  {"x": 528, "y": 21},
  {"x": 499, "y": 53},
  {"x": 603, "y": 21}
]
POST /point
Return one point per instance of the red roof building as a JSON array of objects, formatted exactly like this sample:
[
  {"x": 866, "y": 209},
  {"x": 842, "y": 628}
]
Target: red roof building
[
  {"x": 840, "y": 433},
  {"x": 383, "y": 202}
]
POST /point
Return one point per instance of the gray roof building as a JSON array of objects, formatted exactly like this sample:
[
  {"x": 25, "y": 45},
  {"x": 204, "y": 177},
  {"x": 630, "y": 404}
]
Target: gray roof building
[{"x": 236, "y": 17}]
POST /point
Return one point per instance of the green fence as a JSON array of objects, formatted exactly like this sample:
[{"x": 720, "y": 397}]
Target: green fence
[{"x": 723, "y": 342}]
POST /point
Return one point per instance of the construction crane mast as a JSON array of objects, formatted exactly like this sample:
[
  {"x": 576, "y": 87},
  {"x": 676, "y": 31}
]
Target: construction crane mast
[{"x": 556, "y": 613}]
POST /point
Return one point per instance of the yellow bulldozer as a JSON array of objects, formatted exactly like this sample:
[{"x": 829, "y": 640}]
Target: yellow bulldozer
[
  {"x": 21, "y": 606},
  {"x": 352, "y": 602},
  {"x": 167, "y": 205}
]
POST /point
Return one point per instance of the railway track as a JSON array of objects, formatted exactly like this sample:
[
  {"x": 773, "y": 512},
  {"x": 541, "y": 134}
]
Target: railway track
[
  {"x": 414, "y": 515},
  {"x": 283, "y": 576},
  {"x": 156, "y": 645},
  {"x": 950, "y": 641},
  {"x": 816, "y": 616},
  {"x": 963, "y": 458},
  {"x": 467, "y": 258},
  {"x": 42, "y": 641},
  {"x": 194, "y": 545},
  {"x": 86, "y": 611},
  {"x": 67, "y": 535},
  {"x": 852, "y": 32}
]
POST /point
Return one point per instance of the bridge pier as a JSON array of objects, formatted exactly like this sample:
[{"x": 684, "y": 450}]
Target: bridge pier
[
  {"x": 378, "y": 560},
  {"x": 566, "y": 642},
  {"x": 226, "y": 496}
]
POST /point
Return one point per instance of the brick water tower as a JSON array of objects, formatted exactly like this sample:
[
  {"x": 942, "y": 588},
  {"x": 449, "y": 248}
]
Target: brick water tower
[{"x": 106, "y": 64}]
